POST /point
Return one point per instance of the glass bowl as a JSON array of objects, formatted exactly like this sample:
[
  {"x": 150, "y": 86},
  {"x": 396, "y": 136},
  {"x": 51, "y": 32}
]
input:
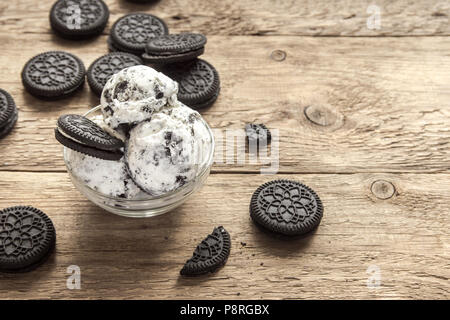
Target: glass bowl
[{"x": 148, "y": 206}]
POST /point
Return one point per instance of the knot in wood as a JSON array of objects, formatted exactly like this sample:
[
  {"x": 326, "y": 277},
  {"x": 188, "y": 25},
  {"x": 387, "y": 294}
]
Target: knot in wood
[
  {"x": 383, "y": 189},
  {"x": 320, "y": 115},
  {"x": 278, "y": 55}
]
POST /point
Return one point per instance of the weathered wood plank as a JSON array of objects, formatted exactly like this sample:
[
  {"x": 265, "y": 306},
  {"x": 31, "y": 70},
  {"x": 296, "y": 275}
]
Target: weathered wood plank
[
  {"x": 406, "y": 236},
  {"x": 252, "y": 17},
  {"x": 341, "y": 104},
  {"x": 353, "y": 106}
]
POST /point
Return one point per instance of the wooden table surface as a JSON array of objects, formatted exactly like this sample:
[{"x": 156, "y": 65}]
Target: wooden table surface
[{"x": 364, "y": 119}]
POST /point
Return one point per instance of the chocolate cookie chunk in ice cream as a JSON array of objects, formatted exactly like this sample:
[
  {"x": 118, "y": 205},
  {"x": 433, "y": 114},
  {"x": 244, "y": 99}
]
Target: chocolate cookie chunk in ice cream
[
  {"x": 134, "y": 94},
  {"x": 166, "y": 152}
]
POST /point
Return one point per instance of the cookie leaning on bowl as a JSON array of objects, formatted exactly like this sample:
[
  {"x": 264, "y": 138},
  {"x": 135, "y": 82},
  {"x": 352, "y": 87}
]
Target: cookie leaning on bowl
[{"x": 83, "y": 135}]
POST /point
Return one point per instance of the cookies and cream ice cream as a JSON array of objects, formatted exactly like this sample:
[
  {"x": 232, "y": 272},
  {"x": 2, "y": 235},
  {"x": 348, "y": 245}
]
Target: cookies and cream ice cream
[
  {"x": 166, "y": 142},
  {"x": 134, "y": 94},
  {"x": 110, "y": 178},
  {"x": 164, "y": 153}
]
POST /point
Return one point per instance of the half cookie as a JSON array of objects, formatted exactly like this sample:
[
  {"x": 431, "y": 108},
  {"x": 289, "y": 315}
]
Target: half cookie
[
  {"x": 210, "y": 254},
  {"x": 83, "y": 135}
]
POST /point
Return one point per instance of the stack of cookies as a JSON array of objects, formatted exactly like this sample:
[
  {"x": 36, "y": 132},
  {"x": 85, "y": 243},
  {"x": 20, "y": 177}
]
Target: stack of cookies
[{"x": 176, "y": 55}]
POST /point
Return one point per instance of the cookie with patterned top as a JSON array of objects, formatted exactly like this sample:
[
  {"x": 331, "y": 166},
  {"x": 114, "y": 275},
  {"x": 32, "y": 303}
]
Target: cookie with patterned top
[
  {"x": 132, "y": 32},
  {"x": 87, "y": 150},
  {"x": 286, "y": 207},
  {"x": 79, "y": 19},
  {"x": 106, "y": 66},
  {"x": 27, "y": 238},
  {"x": 174, "y": 48},
  {"x": 53, "y": 75},
  {"x": 87, "y": 132},
  {"x": 198, "y": 81},
  {"x": 8, "y": 113},
  {"x": 210, "y": 254}
]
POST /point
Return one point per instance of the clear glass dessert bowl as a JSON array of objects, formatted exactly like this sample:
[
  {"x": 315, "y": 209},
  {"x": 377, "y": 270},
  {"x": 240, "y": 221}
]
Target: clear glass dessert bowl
[{"x": 147, "y": 206}]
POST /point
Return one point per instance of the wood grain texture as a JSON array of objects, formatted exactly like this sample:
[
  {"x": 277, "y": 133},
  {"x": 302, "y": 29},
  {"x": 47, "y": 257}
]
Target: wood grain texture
[
  {"x": 406, "y": 236},
  {"x": 261, "y": 17},
  {"x": 363, "y": 117},
  {"x": 386, "y": 101}
]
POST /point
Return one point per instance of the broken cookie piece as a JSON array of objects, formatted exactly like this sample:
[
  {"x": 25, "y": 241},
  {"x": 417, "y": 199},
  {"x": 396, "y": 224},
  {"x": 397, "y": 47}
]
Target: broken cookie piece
[{"x": 210, "y": 254}]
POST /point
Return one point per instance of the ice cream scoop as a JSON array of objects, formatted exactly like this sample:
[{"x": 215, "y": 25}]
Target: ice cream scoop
[
  {"x": 134, "y": 94},
  {"x": 164, "y": 153}
]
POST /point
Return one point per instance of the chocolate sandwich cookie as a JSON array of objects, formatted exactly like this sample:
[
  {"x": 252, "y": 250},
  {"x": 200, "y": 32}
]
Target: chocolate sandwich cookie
[
  {"x": 83, "y": 135},
  {"x": 174, "y": 48},
  {"x": 198, "y": 81},
  {"x": 8, "y": 113},
  {"x": 210, "y": 254},
  {"x": 27, "y": 238},
  {"x": 79, "y": 19},
  {"x": 53, "y": 75},
  {"x": 257, "y": 134},
  {"x": 132, "y": 32},
  {"x": 104, "y": 67},
  {"x": 286, "y": 207}
]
